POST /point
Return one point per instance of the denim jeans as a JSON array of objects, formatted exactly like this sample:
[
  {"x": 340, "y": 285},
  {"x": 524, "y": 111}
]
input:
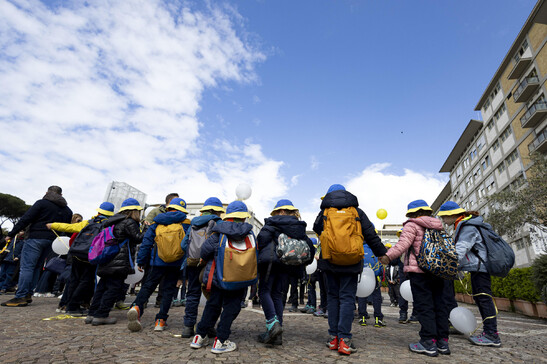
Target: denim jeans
[
  {"x": 341, "y": 289},
  {"x": 481, "y": 283},
  {"x": 193, "y": 296},
  {"x": 312, "y": 293},
  {"x": 376, "y": 298},
  {"x": 6, "y": 274},
  {"x": 223, "y": 303},
  {"x": 428, "y": 292},
  {"x": 270, "y": 292},
  {"x": 33, "y": 255},
  {"x": 169, "y": 275}
]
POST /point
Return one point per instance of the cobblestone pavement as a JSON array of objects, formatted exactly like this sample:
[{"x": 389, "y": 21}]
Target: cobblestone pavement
[{"x": 26, "y": 337}]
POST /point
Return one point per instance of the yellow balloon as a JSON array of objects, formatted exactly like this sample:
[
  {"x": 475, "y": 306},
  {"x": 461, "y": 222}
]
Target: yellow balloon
[{"x": 381, "y": 214}]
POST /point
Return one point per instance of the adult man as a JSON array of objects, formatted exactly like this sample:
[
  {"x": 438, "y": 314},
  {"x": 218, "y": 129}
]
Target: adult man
[
  {"x": 51, "y": 208},
  {"x": 149, "y": 220}
]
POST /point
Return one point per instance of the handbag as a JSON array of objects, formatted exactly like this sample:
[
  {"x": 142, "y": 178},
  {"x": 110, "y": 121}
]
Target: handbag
[{"x": 56, "y": 265}]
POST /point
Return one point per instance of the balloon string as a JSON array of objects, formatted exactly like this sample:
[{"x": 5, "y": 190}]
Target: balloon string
[
  {"x": 464, "y": 285},
  {"x": 61, "y": 240}
]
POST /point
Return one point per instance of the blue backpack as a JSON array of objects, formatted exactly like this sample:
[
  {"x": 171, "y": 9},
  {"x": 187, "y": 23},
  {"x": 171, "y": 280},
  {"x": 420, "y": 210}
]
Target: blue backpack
[
  {"x": 371, "y": 261},
  {"x": 236, "y": 263}
]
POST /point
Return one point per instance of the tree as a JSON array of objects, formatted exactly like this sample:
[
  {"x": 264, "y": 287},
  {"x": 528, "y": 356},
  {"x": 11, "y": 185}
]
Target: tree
[
  {"x": 514, "y": 207},
  {"x": 11, "y": 208}
]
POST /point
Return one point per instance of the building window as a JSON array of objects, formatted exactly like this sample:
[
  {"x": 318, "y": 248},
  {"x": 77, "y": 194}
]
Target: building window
[
  {"x": 490, "y": 183},
  {"x": 468, "y": 182},
  {"x": 480, "y": 143},
  {"x": 506, "y": 133},
  {"x": 500, "y": 112},
  {"x": 517, "y": 182},
  {"x": 501, "y": 167},
  {"x": 521, "y": 50},
  {"x": 486, "y": 162},
  {"x": 496, "y": 145},
  {"x": 477, "y": 174},
  {"x": 481, "y": 192},
  {"x": 466, "y": 163},
  {"x": 512, "y": 157},
  {"x": 490, "y": 125},
  {"x": 459, "y": 172},
  {"x": 472, "y": 154}
]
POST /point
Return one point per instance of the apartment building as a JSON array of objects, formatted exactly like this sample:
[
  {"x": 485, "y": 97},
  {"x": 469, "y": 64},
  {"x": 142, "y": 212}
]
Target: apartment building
[{"x": 494, "y": 154}]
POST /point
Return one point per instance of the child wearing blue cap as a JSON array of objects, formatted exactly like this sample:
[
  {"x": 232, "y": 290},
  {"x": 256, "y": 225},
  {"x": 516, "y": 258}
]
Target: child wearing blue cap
[
  {"x": 223, "y": 303},
  {"x": 471, "y": 251},
  {"x": 428, "y": 289},
  {"x": 274, "y": 275},
  {"x": 162, "y": 250},
  {"x": 128, "y": 235},
  {"x": 200, "y": 229}
]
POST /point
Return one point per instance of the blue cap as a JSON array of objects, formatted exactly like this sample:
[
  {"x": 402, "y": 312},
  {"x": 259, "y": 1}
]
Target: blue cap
[
  {"x": 450, "y": 208},
  {"x": 178, "y": 204},
  {"x": 417, "y": 205},
  {"x": 336, "y": 187},
  {"x": 130, "y": 204},
  {"x": 213, "y": 203},
  {"x": 106, "y": 209},
  {"x": 237, "y": 210},
  {"x": 284, "y": 205}
]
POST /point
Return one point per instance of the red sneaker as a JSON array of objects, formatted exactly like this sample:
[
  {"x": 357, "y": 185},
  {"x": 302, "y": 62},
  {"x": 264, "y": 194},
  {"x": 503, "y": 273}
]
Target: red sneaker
[
  {"x": 346, "y": 347},
  {"x": 333, "y": 343},
  {"x": 134, "y": 319}
]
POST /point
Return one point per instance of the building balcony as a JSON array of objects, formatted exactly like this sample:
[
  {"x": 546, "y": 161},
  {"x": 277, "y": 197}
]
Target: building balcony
[
  {"x": 534, "y": 115},
  {"x": 520, "y": 66},
  {"x": 526, "y": 89},
  {"x": 540, "y": 143}
]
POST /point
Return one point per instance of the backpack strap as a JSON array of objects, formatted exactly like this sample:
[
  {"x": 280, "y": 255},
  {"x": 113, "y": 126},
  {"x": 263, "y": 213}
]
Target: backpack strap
[
  {"x": 210, "y": 276},
  {"x": 476, "y": 252}
]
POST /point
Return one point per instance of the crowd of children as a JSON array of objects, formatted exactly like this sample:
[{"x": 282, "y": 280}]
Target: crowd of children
[{"x": 217, "y": 255}]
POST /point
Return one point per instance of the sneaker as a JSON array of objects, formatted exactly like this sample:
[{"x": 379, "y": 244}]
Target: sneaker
[
  {"x": 121, "y": 305},
  {"x": 413, "y": 319},
  {"x": 333, "y": 343},
  {"x": 36, "y": 294},
  {"x": 187, "y": 331},
  {"x": 346, "y": 347},
  {"x": 305, "y": 309},
  {"x": 311, "y": 310},
  {"x": 183, "y": 302},
  {"x": 177, "y": 303},
  {"x": 160, "y": 325},
  {"x": 49, "y": 295},
  {"x": 326, "y": 315},
  {"x": 16, "y": 302},
  {"x": 278, "y": 340},
  {"x": 403, "y": 318},
  {"x": 77, "y": 313},
  {"x": 220, "y": 347},
  {"x": 61, "y": 309},
  {"x": 379, "y": 322},
  {"x": 199, "y": 342},
  {"x": 134, "y": 319},
  {"x": 486, "y": 340},
  {"x": 442, "y": 347},
  {"x": 293, "y": 309},
  {"x": 103, "y": 321},
  {"x": 243, "y": 304},
  {"x": 319, "y": 312},
  {"x": 428, "y": 348},
  {"x": 273, "y": 329},
  {"x": 392, "y": 304},
  {"x": 363, "y": 321},
  {"x": 28, "y": 297},
  {"x": 88, "y": 320}
]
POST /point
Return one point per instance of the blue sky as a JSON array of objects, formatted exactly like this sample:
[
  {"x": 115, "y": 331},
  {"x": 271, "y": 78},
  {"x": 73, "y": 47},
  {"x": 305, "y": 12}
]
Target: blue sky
[{"x": 290, "y": 96}]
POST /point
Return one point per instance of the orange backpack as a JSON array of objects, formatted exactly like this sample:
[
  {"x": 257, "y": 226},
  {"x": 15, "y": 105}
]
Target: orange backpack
[{"x": 342, "y": 238}]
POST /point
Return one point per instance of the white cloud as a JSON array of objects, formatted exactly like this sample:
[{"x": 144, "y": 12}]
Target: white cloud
[
  {"x": 376, "y": 187},
  {"x": 110, "y": 91},
  {"x": 314, "y": 163}
]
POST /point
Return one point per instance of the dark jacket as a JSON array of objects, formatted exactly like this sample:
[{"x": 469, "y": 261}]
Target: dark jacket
[
  {"x": 197, "y": 223},
  {"x": 148, "y": 251},
  {"x": 268, "y": 237},
  {"x": 52, "y": 208},
  {"x": 342, "y": 199},
  {"x": 209, "y": 249},
  {"x": 125, "y": 228}
]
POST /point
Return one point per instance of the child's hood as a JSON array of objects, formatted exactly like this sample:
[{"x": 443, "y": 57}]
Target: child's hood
[
  {"x": 289, "y": 225},
  {"x": 200, "y": 221},
  {"x": 234, "y": 230},
  {"x": 427, "y": 222},
  {"x": 170, "y": 217}
]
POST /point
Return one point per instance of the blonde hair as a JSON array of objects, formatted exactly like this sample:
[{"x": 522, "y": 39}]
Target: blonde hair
[
  {"x": 287, "y": 212},
  {"x": 75, "y": 218},
  {"x": 132, "y": 214}
]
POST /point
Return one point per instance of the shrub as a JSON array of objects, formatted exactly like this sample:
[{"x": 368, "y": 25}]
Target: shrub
[{"x": 539, "y": 275}]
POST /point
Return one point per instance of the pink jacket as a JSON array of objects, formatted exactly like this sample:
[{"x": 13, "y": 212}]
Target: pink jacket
[{"x": 412, "y": 235}]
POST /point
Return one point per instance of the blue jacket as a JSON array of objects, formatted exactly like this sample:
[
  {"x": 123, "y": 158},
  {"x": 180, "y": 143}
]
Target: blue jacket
[
  {"x": 148, "y": 251},
  {"x": 209, "y": 249},
  {"x": 371, "y": 261},
  {"x": 14, "y": 251},
  {"x": 467, "y": 237},
  {"x": 197, "y": 222},
  {"x": 273, "y": 227},
  {"x": 342, "y": 199}
]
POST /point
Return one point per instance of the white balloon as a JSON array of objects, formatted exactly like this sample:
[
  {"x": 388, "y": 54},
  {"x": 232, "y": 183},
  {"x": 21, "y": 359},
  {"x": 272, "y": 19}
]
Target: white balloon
[
  {"x": 312, "y": 267},
  {"x": 243, "y": 191},
  {"x": 463, "y": 320},
  {"x": 366, "y": 284},
  {"x": 135, "y": 277},
  {"x": 61, "y": 245},
  {"x": 406, "y": 292}
]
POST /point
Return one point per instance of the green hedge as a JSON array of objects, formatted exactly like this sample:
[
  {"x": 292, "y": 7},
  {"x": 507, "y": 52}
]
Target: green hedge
[{"x": 517, "y": 285}]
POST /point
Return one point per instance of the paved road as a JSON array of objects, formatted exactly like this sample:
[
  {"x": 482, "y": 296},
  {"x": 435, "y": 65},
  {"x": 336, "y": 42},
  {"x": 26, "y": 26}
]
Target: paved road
[{"x": 25, "y": 337}]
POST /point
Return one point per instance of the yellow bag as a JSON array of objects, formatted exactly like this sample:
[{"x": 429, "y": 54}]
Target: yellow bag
[
  {"x": 342, "y": 238},
  {"x": 168, "y": 239}
]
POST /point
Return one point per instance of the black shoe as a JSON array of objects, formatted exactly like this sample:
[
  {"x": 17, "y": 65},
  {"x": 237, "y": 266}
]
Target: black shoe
[
  {"x": 413, "y": 319},
  {"x": 28, "y": 297},
  {"x": 293, "y": 309},
  {"x": 77, "y": 313},
  {"x": 187, "y": 331},
  {"x": 278, "y": 340},
  {"x": 16, "y": 302},
  {"x": 103, "y": 321},
  {"x": 403, "y": 318}
]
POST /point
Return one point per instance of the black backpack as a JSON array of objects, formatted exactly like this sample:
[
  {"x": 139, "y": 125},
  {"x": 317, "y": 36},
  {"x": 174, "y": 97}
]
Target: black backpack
[{"x": 82, "y": 242}]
